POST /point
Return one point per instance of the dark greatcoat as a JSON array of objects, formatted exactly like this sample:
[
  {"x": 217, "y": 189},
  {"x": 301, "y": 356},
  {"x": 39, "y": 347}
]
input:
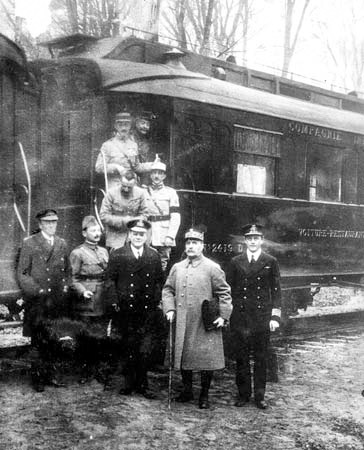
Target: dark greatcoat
[
  {"x": 136, "y": 286},
  {"x": 256, "y": 298},
  {"x": 43, "y": 276}
]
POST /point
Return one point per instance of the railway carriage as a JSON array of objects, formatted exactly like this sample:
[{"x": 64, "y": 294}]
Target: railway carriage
[{"x": 249, "y": 147}]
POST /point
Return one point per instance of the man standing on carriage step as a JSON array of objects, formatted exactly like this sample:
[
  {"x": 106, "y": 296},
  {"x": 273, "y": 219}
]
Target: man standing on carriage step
[
  {"x": 43, "y": 276},
  {"x": 122, "y": 204},
  {"x": 120, "y": 153},
  {"x": 165, "y": 215},
  {"x": 135, "y": 273},
  {"x": 189, "y": 283},
  {"x": 89, "y": 263},
  {"x": 255, "y": 285}
]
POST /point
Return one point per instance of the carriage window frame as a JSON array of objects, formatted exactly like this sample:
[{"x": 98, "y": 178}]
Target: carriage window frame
[
  {"x": 261, "y": 162},
  {"x": 337, "y": 189}
]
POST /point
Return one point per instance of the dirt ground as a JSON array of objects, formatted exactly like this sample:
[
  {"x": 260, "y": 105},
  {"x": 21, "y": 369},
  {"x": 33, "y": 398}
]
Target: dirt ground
[{"x": 316, "y": 405}]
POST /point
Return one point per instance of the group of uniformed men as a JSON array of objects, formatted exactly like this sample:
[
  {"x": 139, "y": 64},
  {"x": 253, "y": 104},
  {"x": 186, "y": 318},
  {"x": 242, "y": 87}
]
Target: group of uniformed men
[{"x": 130, "y": 276}]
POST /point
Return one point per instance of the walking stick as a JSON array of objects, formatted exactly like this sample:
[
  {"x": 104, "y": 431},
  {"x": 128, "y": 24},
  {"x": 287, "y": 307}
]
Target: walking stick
[{"x": 170, "y": 365}]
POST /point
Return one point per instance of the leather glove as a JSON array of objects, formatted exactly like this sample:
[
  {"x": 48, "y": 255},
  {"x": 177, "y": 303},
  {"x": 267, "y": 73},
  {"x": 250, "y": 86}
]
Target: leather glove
[
  {"x": 170, "y": 316},
  {"x": 273, "y": 325}
]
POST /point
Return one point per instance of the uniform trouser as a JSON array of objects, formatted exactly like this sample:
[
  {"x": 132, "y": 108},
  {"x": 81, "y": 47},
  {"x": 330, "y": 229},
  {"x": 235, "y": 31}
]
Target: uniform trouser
[
  {"x": 165, "y": 254},
  {"x": 256, "y": 344},
  {"x": 206, "y": 378}
]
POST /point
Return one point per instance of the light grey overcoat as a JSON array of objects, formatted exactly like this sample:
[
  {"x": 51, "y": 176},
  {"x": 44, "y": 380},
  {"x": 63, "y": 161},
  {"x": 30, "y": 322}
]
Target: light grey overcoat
[{"x": 188, "y": 284}]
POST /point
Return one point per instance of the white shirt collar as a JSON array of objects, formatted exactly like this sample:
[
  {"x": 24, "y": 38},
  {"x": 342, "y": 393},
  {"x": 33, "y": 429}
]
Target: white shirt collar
[
  {"x": 49, "y": 239},
  {"x": 138, "y": 252},
  {"x": 256, "y": 254}
]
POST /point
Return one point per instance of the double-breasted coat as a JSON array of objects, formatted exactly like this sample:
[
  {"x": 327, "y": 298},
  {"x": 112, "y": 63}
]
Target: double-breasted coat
[
  {"x": 136, "y": 285},
  {"x": 256, "y": 292},
  {"x": 88, "y": 264},
  {"x": 43, "y": 276},
  {"x": 188, "y": 284}
]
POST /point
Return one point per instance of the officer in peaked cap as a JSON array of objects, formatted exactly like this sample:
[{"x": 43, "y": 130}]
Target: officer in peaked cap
[
  {"x": 43, "y": 275},
  {"x": 136, "y": 276},
  {"x": 141, "y": 135},
  {"x": 120, "y": 153},
  {"x": 189, "y": 283},
  {"x": 88, "y": 263},
  {"x": 255, "y": 284},
  {"x": 165, "y": 214}
]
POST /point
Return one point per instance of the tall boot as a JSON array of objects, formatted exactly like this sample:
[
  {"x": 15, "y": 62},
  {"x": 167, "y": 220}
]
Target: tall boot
[
  {"x": 206, "y": 377},
  {"x": 186, "y": 395}
]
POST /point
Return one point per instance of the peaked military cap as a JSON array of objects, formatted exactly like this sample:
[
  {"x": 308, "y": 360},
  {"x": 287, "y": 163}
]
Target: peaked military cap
[
  {"x": 194, "y": 233},
  {"x": 47, "y": 214},
  {"x": 89, "y": 221},
  {"x": 145, "y": 115},
  {"x": 137, "y": 224},
  {"x": 123, "y": 117},
  {"x": 252, "y": 229}
]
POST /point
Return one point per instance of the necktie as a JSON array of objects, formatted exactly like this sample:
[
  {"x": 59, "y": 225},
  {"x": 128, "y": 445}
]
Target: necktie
[{"x": 252, "y": 261}]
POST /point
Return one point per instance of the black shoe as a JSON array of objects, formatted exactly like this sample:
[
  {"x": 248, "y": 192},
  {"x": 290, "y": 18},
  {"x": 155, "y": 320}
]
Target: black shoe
[
  {"x": 125, "y": 391},
  {"x": 38, "y": 387},
  {"x": 261, "y": 404},
  {"x": 146, "y": 393},
  {"x": 204, "y": 403},
  {"x": 241, "y": 401},
  {"x": 56, "y": 383},
  {"x": 184, "y": 396}
]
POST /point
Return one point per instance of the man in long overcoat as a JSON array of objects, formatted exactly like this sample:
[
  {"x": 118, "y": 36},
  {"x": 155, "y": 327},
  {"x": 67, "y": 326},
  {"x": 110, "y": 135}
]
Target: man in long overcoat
[
  {"x": 43, "y": 276},
  {"x": 135, "y": 272},
  {"x": 189, "y": 283},
  {"x": 255, "y": 284}
]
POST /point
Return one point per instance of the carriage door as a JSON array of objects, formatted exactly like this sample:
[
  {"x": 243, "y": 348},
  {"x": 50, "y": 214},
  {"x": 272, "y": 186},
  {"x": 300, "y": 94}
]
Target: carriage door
[{"x": 10, "y": 231}]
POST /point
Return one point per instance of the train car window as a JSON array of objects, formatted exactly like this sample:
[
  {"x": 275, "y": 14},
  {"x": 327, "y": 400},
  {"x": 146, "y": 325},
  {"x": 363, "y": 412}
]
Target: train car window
[
  {"x": 332, "y": 174},
  {"x": 256, "y": 154},
  {"x": 193, "y": 154}
]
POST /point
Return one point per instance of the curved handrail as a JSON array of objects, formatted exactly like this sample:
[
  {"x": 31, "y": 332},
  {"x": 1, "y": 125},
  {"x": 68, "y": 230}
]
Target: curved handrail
[
  {"x": 29, "y": 187},
  {"x": 97, "y": 211},
  {"x": 105, "y": 171},
  {"x": 17, "y": 213}
]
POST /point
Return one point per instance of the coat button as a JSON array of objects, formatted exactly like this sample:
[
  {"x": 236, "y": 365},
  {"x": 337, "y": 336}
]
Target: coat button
[
  {"x": 131, "y": 305},
  {"x": 258, "y": 297},
  {"x": 179, "y": 304},
  {"x": 244, "y": 298},
  {"x": 131, "y": 295},
  {"x": 258, "y": 287},
  {"x": 182, "y": 295},
  {"x": 244, "y": 289},
  {"x": 131, "y": 274},
  {"x": 147, "y": 285},
  {"x": 47, "y": 269},
  {"x": 258, "y": 278},
  {"x": 48, "y": 279},
  {"x": 259, "y": 306},
  {"x": 49, "y": 290},
  {"x": 131, "y": 285}
]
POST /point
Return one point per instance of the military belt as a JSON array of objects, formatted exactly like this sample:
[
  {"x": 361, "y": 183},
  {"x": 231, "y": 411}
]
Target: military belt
[
  {"x": 159, "y": 218},
  {"x": 91, "y": 277}
]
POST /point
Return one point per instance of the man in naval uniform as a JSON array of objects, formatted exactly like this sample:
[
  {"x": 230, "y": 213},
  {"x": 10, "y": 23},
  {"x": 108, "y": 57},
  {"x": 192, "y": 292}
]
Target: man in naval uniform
[
  {"x": 165, "y": 215},
  {"x": 136, "y": 274},
  {"x": 120, "y": 153},
  {"x": 43, "y": 275},
  {"x": 122, "y": 204},
  {"x": 255, "y": 285}
]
